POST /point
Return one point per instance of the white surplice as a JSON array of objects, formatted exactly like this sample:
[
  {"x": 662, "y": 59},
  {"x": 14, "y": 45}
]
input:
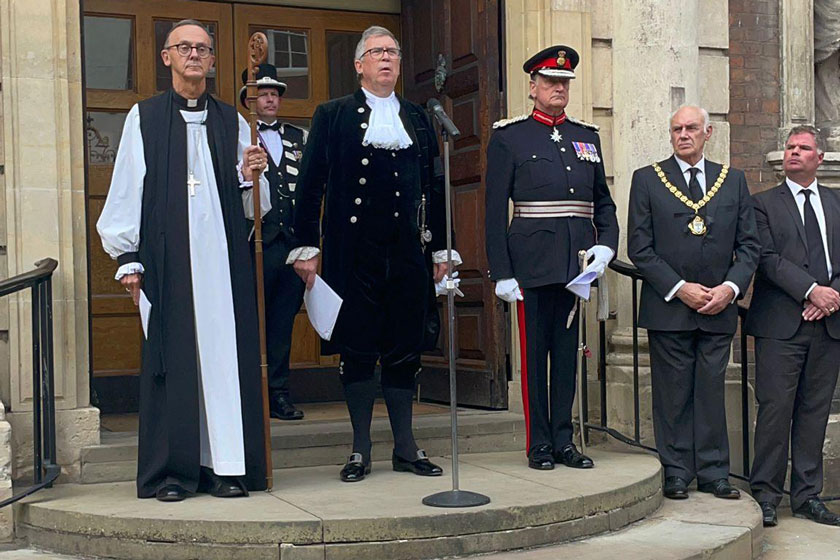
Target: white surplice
[{"x": 220, "y": 409}]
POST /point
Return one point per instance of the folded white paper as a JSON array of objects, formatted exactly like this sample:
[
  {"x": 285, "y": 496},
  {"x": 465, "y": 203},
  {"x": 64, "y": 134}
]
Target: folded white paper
[
  {"x": 582, "y": 283},
  {"x": 145, "y": 311},
  {"x": 322, "y": 307}
]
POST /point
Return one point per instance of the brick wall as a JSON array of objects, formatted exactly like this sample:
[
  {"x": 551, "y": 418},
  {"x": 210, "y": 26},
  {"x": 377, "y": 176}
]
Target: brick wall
[{"x": 754, "y": 87}]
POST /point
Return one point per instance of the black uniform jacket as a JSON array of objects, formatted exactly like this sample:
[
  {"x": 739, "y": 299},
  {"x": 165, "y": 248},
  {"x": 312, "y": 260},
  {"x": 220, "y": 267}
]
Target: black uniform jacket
[
  {"x": 525, "y": 164},
  {"x": 783, "y": 278},
  {"x": 661, "y": 246},
  {"x": 282, "y": 179},
  {"x": 336, "y": 161}
]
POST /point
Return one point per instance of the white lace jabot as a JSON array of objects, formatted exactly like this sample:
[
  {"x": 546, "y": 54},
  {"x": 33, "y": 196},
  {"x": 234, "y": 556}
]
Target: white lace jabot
[{"x": 385, "y": 128}]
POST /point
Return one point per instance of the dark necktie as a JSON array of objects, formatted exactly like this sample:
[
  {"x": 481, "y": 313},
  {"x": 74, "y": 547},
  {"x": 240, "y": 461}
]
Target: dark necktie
[
  {"x": 694, "y": 189},
  {"x": 816, "y": 250},
  {"x": 263, "y": 127}
]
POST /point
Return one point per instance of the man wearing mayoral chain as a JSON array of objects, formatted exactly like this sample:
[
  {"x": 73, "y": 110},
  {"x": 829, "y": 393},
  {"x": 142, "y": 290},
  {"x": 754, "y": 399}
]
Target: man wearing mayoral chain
[
  {"x": 692, "y": 234},
  {"x": 175, "y": 223}
]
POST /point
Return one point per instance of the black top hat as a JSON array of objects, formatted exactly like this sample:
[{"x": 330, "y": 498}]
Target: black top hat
[
  {"x": 558, "y": 61},
  {"x": 266, "y": 76}
]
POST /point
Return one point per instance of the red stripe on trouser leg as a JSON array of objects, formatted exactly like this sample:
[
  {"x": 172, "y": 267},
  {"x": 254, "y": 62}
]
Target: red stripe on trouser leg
[{"x": 523, "y": 353}]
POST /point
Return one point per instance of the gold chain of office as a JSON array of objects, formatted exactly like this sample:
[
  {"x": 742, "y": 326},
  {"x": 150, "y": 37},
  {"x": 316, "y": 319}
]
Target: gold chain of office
[{"x": 696, "y": 206}]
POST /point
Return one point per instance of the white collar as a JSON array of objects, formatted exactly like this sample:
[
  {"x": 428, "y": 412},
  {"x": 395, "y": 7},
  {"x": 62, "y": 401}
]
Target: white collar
[
  {"x": 796, "y": 188},
  {"x": 373, "y": 99},
  {"x": 684, "y": 165},
  {"x": 385, "y": 128}
]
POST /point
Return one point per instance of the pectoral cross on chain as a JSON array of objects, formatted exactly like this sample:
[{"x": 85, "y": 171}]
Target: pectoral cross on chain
[{"x": 192, "y": 183}]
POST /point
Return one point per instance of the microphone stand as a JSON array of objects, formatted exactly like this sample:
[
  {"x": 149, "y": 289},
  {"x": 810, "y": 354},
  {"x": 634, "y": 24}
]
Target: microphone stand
[{"x": 455, "y": 497}]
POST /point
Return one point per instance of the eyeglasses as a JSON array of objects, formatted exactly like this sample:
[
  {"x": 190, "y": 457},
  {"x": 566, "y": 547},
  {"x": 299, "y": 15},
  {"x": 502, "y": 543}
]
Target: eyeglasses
[
  {"x": 376, "y": 53},
  {"x": 184, "y": 49}
]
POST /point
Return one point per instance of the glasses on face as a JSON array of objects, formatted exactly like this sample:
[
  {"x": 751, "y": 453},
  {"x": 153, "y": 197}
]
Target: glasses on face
[
  {"x": 376, "y": 53},
  {"x": 184, "y": 49}
]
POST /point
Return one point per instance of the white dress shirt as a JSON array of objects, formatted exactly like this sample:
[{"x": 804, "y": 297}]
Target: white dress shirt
[
  {"x": 701, "y": 178},
  {"x": 796, "y": 190},
  {"x": 273, "y": 140}
]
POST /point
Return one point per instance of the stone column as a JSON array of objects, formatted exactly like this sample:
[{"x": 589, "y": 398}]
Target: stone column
[
  {"x": 796, "y": 22},
  {"x": 43, "y": 138}
]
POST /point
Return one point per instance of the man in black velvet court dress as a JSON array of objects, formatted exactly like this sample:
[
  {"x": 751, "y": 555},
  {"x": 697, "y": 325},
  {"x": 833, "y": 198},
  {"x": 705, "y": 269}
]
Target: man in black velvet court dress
[
  {"x": 384, "y": 221},
  {"x": 283, "y": 288},
  {"x": 174, "y": 221}
]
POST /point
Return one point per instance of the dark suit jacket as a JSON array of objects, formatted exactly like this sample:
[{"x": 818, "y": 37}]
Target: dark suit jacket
[
  {"x": 665, "y": 252},
  {"x": 783, "y": 277}
]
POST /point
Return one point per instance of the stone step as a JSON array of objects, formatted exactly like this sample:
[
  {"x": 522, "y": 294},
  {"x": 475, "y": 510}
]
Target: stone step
[
  {"x": 700, "y": 528},
  {"x": 329, "y": 443},
  {"x": 312, "y": 514}
]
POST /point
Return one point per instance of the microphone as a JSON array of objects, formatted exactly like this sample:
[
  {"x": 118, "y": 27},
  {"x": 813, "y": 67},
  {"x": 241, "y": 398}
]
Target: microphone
[{"x": 434, "y": 107}]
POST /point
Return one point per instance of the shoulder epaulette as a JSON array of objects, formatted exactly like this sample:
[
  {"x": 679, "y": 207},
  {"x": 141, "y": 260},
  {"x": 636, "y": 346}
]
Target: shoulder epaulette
[
  {"x": 593, "y": 126},
  {"x": 504, "y": 122}
]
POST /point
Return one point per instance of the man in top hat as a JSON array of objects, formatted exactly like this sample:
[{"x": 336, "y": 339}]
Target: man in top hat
[
  {"x": 283, "y": 288},
  {"x": 371, "y": 159},
  {"x": 551, "y": 166},
  {"x": 692, "y": 234}
]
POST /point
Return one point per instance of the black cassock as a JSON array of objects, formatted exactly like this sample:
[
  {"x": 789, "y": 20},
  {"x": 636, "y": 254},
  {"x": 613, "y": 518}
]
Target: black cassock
[{"x": 169, "y": 443}]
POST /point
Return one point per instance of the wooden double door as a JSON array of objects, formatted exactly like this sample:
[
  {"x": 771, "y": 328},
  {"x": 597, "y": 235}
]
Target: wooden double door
[{"x": 313, "y": 51}]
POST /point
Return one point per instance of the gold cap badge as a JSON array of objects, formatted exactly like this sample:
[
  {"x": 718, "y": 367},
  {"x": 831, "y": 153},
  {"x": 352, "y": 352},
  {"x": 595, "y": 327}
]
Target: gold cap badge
[{"x": 561, "y": 58}]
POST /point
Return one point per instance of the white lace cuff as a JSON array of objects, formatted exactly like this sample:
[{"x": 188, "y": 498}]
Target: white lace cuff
[
  {"x": 302, "y": 254},
  {"x": 439, "y": 257},
  {"x": 129, "y": 268}
]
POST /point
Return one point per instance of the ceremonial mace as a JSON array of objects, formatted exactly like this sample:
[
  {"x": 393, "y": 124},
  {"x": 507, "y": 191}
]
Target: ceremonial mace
[
  {"x": 455, "y": 497},
  {"x": 257, "y": 53},
  {"x": 581, "y": 354}
]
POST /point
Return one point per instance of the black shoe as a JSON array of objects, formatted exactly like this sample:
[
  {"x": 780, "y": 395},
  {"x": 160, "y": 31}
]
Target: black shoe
[
  {"x": 720, "y": 488},
  {"x": 540, "y": 458},
  {"x": 280, "y": 407},
  {"x": 171, "y": 493},
  {"x": 355, "y": 469},
  {"x": 815, "y": 510},
  {"x": 421, "y": 466},
  {"x": 571, "y": 457},
  {"x": 768, "y": 514},
  {"x": 675, "y": 488},
  {"x": 220, "y": 486}
]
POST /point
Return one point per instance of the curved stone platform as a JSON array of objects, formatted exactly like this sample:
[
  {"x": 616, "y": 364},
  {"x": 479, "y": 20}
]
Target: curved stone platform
[{"x": 312, "y": 514}]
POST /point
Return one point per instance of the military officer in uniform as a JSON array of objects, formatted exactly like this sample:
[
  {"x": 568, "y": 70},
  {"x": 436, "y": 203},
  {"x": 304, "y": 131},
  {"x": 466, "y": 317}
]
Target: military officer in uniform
[
  {"x": 283, "y": 288},
  {"x": 371, "y": 159},
  {"x": 551, "y": 166}
]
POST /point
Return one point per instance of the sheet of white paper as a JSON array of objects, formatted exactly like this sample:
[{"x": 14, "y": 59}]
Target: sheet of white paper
[
  {"x": 581, "y": 284},
  {"x": 145, "y": 311},
  {"x": 322, "y": 307}
]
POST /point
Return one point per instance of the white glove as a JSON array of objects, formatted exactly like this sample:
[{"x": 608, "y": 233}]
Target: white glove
[
  {"x": 440, "y": 287},
  {"x": 508, "y": 290},
  {"x": 602, "y": 257}
]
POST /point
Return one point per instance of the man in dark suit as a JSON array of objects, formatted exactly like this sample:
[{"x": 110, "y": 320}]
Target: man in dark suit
[
  {"x": 549, "y": 164},
  {"x": 692, "y": 234},
  {"x": 797, "y": 332},
  {"x": 283, "y": 288},
  {"x": 371, "y": 156}
]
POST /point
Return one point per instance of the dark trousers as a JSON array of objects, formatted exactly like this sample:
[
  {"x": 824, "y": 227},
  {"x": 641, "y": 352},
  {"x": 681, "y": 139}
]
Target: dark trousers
[
  {"x": 794, "y": 384},
  {"x": 543, "y": 315},
  {"x": 688, "y": 377},
  {"x": 283, "y": 297}
]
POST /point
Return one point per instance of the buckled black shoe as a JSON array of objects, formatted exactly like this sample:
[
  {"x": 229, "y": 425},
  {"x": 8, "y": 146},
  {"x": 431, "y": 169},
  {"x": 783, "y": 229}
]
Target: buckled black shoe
[
  {"x": 675, "y": 488},
  {"x": 721, "y": 488},
  {"x": 421, "y": 466},
  {"x": 815, "y": 510},
  {"x": 355, "y": 469},
  {"x": 540, "y": 458},
  {"x": 571, "y": 457},
  {"x": 281, "y": 408},
  {"x": 220, "y": 486},
  {"x": 768, "y": 514},
  {"x": 171, "y": 493}
]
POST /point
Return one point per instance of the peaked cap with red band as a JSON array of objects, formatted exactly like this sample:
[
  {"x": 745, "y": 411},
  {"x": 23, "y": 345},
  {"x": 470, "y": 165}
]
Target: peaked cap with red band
[{"x": 558, "y": 61}]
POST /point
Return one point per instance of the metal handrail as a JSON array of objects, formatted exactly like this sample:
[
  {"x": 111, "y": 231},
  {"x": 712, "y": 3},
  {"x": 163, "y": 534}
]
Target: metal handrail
[
  {"x": 46, "y": 469},
  {"x": 630, "y": 271}
]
